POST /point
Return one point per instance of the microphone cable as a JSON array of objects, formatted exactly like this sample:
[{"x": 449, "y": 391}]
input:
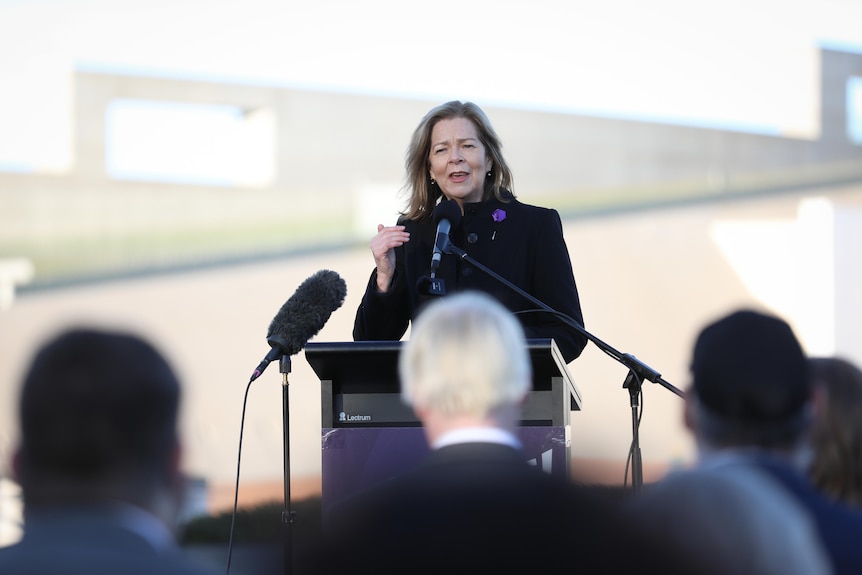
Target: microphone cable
[
  {"x": 632, "y": 446},
  {"x": 236, "y": 486}
]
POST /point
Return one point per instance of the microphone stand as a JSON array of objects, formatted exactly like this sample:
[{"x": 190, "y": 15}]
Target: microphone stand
[
  {"x": 287, "y": 515},
  {"x": 638, "y": 370}
]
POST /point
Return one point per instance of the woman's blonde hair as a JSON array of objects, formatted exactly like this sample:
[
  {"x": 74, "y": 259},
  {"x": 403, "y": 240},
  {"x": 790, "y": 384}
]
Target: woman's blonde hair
[{"x": 423, "y": 194}]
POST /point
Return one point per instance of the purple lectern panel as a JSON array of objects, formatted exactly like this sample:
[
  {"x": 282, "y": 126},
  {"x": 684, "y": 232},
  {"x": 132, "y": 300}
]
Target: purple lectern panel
[{"x": 355, "y": 458}]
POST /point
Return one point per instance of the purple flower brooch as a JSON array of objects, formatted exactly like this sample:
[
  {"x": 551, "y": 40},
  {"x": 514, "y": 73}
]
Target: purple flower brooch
[{"x": 498, "y": 215}]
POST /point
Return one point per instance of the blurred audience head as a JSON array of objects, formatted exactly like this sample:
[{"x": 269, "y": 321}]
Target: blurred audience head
[
  {"x": 750, "y": 384},
  {"x": 98, "y": 422},
  {"x": 836, "y": 437}
]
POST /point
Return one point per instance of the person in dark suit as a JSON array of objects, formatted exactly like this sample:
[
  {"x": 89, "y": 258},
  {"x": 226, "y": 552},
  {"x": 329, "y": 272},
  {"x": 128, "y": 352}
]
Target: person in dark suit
[
  {"x": 750, "y": 408},
  {"x": 456, "y": 155},
  {"x": 99, "y": 460},
  {"x": 475, "y": 505}
]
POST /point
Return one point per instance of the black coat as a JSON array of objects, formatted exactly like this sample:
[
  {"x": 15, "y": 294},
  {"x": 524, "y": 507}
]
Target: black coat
[
  {"x": 526, "y": 248},
  {"x": 480, "y": 508},
  {"x": 840, "y": 525},
  {"x": 94, "y": 541}
]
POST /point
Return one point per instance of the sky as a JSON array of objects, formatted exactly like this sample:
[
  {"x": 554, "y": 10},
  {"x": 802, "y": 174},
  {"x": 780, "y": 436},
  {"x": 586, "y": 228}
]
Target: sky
[{"x": 747, "y": 65}]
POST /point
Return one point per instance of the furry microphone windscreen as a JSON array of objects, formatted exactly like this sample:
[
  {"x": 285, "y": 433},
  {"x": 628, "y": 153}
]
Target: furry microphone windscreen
[{"x": 307, "y": 311}]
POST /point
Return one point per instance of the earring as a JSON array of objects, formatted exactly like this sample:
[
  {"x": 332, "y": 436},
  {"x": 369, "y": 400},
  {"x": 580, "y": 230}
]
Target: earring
[
  {"x": 433, "y": 183},
  {"x": 489, "y": 174}
]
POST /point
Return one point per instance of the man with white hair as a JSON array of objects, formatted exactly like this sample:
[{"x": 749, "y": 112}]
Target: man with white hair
[
  {"x": 475, "y": 504},
  {"x": 466, "y": 372}
]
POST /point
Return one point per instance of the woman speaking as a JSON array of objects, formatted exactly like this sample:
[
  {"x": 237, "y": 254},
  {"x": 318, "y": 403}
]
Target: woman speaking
[{"x": 455, "y": 155}]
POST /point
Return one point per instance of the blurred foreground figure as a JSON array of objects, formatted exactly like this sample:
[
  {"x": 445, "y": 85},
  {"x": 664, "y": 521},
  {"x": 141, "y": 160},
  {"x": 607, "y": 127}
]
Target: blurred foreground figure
[
  {"x": 747, "y": 501},
  {"x": 836, "y": 467},
  {"x": 99, "y": 460},
  {"x": 475, "y": 505}
]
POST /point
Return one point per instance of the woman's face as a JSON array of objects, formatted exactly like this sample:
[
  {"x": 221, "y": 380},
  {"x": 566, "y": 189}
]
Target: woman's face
[{"x": 458, "y": 160}]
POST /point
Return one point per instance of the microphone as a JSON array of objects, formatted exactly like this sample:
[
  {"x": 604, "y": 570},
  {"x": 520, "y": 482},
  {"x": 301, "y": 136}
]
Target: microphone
[
  {"x": 302, "y": 316},
  {"x": 447, "y": 215}
]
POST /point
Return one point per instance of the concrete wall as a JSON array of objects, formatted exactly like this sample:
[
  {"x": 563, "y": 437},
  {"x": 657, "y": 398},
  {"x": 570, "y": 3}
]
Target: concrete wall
[
  {"x": 329, "y": 143},
  {"x": 338, "y": 164}
]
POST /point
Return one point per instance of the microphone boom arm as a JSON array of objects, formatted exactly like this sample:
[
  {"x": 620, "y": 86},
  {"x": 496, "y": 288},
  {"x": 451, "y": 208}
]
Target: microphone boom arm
[{"x": 642, "y": 370}]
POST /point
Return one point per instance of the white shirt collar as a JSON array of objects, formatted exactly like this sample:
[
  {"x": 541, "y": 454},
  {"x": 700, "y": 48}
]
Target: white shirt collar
[{"x": 477, "y": 435}]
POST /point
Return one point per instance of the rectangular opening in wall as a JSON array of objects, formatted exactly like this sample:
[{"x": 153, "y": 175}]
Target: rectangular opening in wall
[
  {"x": 854, "y": 109},
  {"x": 189, "y": 143}
]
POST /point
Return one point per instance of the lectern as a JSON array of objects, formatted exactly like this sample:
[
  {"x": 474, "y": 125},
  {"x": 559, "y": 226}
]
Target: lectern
[{"x": 369, "y": 435}]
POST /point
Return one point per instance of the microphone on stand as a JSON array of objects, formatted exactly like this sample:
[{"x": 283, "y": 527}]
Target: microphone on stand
[
  {"x": 298, "y": 320},
  {"x": 302, "y": 316},
  {"x": 447, "y": 215}
]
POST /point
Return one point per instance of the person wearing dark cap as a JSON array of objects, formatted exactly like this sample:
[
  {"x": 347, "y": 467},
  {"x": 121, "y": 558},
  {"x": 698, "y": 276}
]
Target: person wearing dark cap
[
  {"x": 750, "y": 385},
  {"x": 747, "y": 500},
  {"x": 752, "y": 392},
  {"x": 99, "y": 460}
]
